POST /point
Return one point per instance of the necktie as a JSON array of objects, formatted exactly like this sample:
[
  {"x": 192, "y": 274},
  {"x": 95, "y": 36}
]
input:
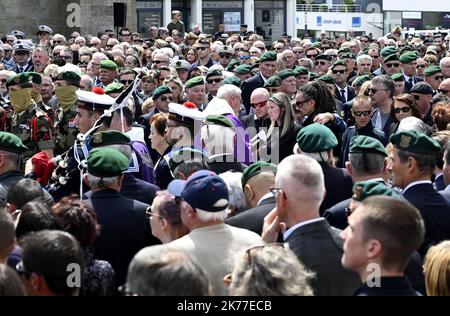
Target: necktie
[
  {"x": 411, "y": 81},
  {"x": 343, "y": 98}
]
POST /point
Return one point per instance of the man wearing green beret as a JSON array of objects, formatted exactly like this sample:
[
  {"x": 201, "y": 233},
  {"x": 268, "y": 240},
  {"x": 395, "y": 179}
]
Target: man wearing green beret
[
  {"x": 161, "y": 97},
  {"x": 364, "y": 189},
  {"x": 273, "y": 84},
  {"x": 301, "y": 74},
  {"x": 114, "y": 89},
  {"x": 196, "y": 91},
  {"x": 29, "y": 122},
  {"x": 433, "y": 76},
  {"x": 235, "y": 81},
  {"x": 288, "y": 82},
  {"x": 268, "y": 67},
  {"x": 412, "y": 162},
  {"x": 257, "y": 179},
  {"x": 400, "y": 82},
  {"x": 108, "y": 72},
  {"x": 243, "y": 72},
  {"x": 409, "y": 65},
  {"x": 66, "y": 84},
  {"x": 350, "y": 60},
  {"x": 214, "y": 79},
  {"x": 391, "y": 64},
  {"x": 118, "y": 215}
]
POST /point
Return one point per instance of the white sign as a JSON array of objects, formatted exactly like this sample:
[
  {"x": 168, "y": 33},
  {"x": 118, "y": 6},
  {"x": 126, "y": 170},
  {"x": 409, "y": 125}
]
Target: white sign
[
  {"x": 412, "y": 15},
  {"x": 232, "y": 21}
]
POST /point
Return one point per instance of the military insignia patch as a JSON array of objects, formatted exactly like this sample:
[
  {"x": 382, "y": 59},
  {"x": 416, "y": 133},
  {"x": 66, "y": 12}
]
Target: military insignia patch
[
  {"x": 358, "y": 192},
  {"x": 405, "y": 141},
  {"x": 97, "y": 138}
]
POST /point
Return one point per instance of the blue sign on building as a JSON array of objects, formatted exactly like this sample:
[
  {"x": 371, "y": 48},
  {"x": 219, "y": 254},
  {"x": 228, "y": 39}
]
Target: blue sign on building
[
  {"x": 356, "y": 21},
  {"x": 319, "y": 20}
]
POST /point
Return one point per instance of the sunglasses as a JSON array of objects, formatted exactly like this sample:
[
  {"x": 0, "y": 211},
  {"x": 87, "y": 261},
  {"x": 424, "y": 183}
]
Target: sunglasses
[
  {"x": 126, "y": 35},
  {"x": 393, "y": 65},
  {"x": 338, "y": 72},
  {"x": 320, "y": 62},
  {"x": 259, "y": 105},
  {"x": 158, "y": 61},
  {"x": 375, "y": 90},
  {"x": 299, "y": 104},
  {"x": 223, "y": 55},
  {"x": 126, "y": 81},
  {"x": 311, "y": 56},
  {"x": 201, "y": 48},
  {"x": 165, "y": 98},
  {"x": 438, "y": 78},
  {"x": 421, "y": 66},
  {"x": 361, "y": 113},
  {"x": 57, "y": 42},
  {"x": 404, "y": 109},
  {"x": 244, "y": 57},
  {"x": 110, "y": 46},
  {"x": 279, "y": 48},
  {"x": 149, "y": 214},
  {"x": 439, "y": 90},
  {"x": 211, "y": 81}
]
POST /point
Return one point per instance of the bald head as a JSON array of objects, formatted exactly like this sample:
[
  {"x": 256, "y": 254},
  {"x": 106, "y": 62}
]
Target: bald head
[
  {"x": 258, "y": 186},
  {"x": 445, "y": 86},
  {"x": 259, "y": 95}
]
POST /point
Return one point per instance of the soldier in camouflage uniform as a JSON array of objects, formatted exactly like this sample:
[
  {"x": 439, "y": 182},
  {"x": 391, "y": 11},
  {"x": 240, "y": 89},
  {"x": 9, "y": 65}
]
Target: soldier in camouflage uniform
[
  {"x": 28, "y": 122},
  {"x": 66, "y": 84},
  {"x": 36, "y": 79}
]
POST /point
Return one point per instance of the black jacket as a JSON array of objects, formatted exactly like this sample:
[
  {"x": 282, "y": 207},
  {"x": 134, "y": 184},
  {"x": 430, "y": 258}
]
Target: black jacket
[
  {"x": 390, "y": 286},
  {"x": 338, "y": 186},
  {"x": 247, "y": 88}
]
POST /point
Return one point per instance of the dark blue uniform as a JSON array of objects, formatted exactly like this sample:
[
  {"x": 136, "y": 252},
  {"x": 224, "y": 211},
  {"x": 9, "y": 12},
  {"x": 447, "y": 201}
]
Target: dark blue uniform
[{"x": 389, "y": 286}]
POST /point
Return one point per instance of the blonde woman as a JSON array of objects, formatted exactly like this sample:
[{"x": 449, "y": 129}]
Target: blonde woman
[{"x": 437, "y": 269}]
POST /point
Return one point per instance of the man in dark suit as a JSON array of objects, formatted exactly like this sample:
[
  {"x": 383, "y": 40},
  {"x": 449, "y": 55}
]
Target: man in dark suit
[
  {"x": 413, "y": 161},
  {"x": 366, "y": 163},
  {"x": 343, "y": 92},
  {"x": 316, "y": 244},
  {"x": 257, "y": 180},
  {"x": 268, "y": 67},
  {"x": 382, "y": 235},
  {"x": 124, "y": 226},
  {"x": 409, "y": 63}
]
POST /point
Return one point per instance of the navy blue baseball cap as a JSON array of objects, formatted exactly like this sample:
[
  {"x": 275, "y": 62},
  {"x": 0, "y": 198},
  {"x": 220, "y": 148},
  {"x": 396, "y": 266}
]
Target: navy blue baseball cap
[{"x": 204, "y": 190}]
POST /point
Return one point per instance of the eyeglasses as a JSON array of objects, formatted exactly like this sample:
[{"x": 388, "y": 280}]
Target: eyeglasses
[
  {"x": 320, "y": 62},
  {"x": 299, "y": 104},
  {"x": 416, "y": 97},
  {"x": 404, "y": 109},
  {"x": 20, "y": 269},
  {"x": 211, "y": 81},
  {"x": 165, "y": 98},
  {"x": 338, "y": 72},
  {"x": 439, "y": 90},
  {"x": 438, "y": 78},
  {"x": 159, "y": 61},
  {"x": 149, "y": 214},
  {"x": 259, "y": 104},
  {"x": 375, "y": 90},
  {"x": 244, "y": 57},
  {"x": 201, "y": 48},
  {"x": 223, "y": 55},
  {"x": 421, "y": 66},
  {"x": 393, "y": 65},
  {"x": 65, "y": 57},
  {"x": 311, "y": 56},
  {"x": 124, "y": 82},
  {"x": 361, "y": 113}
]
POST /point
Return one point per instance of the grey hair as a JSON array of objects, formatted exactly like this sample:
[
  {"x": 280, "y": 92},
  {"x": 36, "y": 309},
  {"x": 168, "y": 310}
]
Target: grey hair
[
  {"x": 366, "y": 164},
  {"x": 102, "y": 182},
  {"x": 228, "y": 90},
  {"x": 363, "y": 57},
  {"x": 413, "y": 123},
  {"x": 125, "y": 149},
  {"x": 235, "y": 191}
]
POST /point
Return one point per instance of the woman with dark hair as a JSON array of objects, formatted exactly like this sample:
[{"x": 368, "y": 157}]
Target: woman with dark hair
[
  {"x": 158, "y": 138},
  {"x": 404, "y": 106},
  {"x": 76, "y": 218},
  {"x": 441, "y": 116},
  {"x": 191, "y": 55}
]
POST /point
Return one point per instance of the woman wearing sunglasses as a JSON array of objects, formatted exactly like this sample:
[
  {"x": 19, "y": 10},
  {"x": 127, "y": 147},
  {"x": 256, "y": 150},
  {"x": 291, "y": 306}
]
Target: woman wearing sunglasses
[{"x": 404, "y": 106}]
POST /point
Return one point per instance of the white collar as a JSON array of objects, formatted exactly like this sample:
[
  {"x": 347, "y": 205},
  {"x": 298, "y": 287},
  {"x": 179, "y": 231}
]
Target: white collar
[
  {"x": 416, "y": 183},
  {"x": 291, "y": 230},
  {"x": 264, "y": 197}
]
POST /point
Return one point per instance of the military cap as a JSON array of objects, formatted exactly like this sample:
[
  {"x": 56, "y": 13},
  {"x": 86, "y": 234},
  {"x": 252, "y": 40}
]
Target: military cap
[
  {"x": 214, "y": 72},
  {"x": 18, "y": 34},
  {"x": 242, "y": 69},
  {"x": 345, "y": 49},
  {"x": 45, "y": 28},
  {"x": 405, "y": 49},
  {"x": 269, "y": 55},
  {"x": 106, "y": 162},
  {"x": 225, "y": 49},
  {"x": 416, "y": 142},
  {"x": 312, "y": 76},
  {"x": 347, "y": 56},
  {"x": 11, "y": 143},
  {"x": 421, "y": 88},
  {"x": 408, "y": 57},
  {"x": 185, "y": 113},
  {"x": 316, "y": 45},
  {"x": 316, "y": 138},
  {"x": 364, "y": 189},
  {"x": 176, "y": 157},
  {"x": 327, "y": 79},
  {"x": 203, "y": 190},
  {"x": 257, "y": 168},
  {"x": 389, "y": 50},
  {"x": 398, "y": 77},
  {"x": 196, "y": 81},
  {"x": 35, "y": 77},
  {"x": 180, "y": 65},
  {"x": 110, "y": 137},
  {"x": 361, "y": 79},
  {"x": 21, "y": 46},
  {"x": 339, "y": 62},
  {"x": 286, "y": 73},
  {"x": 432, "y": 70},
  {"x": 20, "y": 78},
  {"x": 221, "y": 120},
  {"x": 232, "y": 80},
  {"x": 114, "y": 87},
  {"x": 393, "y": 57},
  {"x": 323, "y": 57},
  {"x": 301, "y": 70},
  {"x": 366, "y": 144},
  {"x": 71, "y": 77},
  {"x": 272, "y": 82},
  {"x": 160, "y": 91},
  {"x": 95, "y": 100},
  {"x": 233, "y": 64},
  {"x": 108, "y": 64}
]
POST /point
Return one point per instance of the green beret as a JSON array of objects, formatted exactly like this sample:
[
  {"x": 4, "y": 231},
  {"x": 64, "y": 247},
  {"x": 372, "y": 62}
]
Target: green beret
[
  {"x": 106, "y": 162},
  {"x": 196, "y": 81},
  {"x": 272, "y": 82},
  {"x": 316, "y": 45},
  {"x": 11, "y": 143},
  {"x": 345, "y": 49},
  {"x": 339, "y": 62},
  {"x": 285, "y": 74},
  {"x": 214, "y": 72},
  {"x": 235, "y": 81},
  {"x": 108, "y": 64},
  {"x": 405, "y": 49},
  {"x": 71, "y": 77},
  {"x": 429, "y": 71},
  {"x": 366, "y": 144},
  {"x": 327, "y": 79},
  {"x": 365, "y": 51},
  {"x": 35, "y": 77},
  {"x": 408, "y": 57},
  {"x": 316, "y": 138},
  {"x": 110, "y": 137},
  {"x": 257, "y": 168},
  {"x": 242, "y": 69},
  {"x": 398, "y": 77},
  {"x": 362, "y": 190},
  {"x": 416, "y": 142},
  {"x": 161, "y": 90},
  {"x": 323, "y": 57},
  {"x": 233, "y": 64},
  {"x": 348, "y": 56},
  {"x": 269, "y": 55},
  {"x": 361, "y": 79},
  {"x": 389, "y": 50},
  {"x": 221, "y": 120},
  {"x": 301, "y": 70},
  {"x": 114, "y": 87},
  {"x": 21, "y": 78},
  {"x": 393, "y": 57}
]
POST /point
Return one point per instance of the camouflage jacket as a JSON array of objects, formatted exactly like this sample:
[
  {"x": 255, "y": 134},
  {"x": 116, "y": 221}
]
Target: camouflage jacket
[{"x": 65, "y": 130}]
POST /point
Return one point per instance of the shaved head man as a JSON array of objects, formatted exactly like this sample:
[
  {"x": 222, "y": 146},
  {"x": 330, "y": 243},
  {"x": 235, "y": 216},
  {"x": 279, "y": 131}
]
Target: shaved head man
[{"x": 444, "y": 87}]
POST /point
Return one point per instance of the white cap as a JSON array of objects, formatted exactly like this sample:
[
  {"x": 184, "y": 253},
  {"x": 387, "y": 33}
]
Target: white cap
[
  {"x": 186, "y": 112},
  {"x": 97, "y": 101},
  {"x": 45, "y": 28}
]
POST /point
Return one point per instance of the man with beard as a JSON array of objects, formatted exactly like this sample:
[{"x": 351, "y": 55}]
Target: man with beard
[{"x": 40, "y": 59}]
